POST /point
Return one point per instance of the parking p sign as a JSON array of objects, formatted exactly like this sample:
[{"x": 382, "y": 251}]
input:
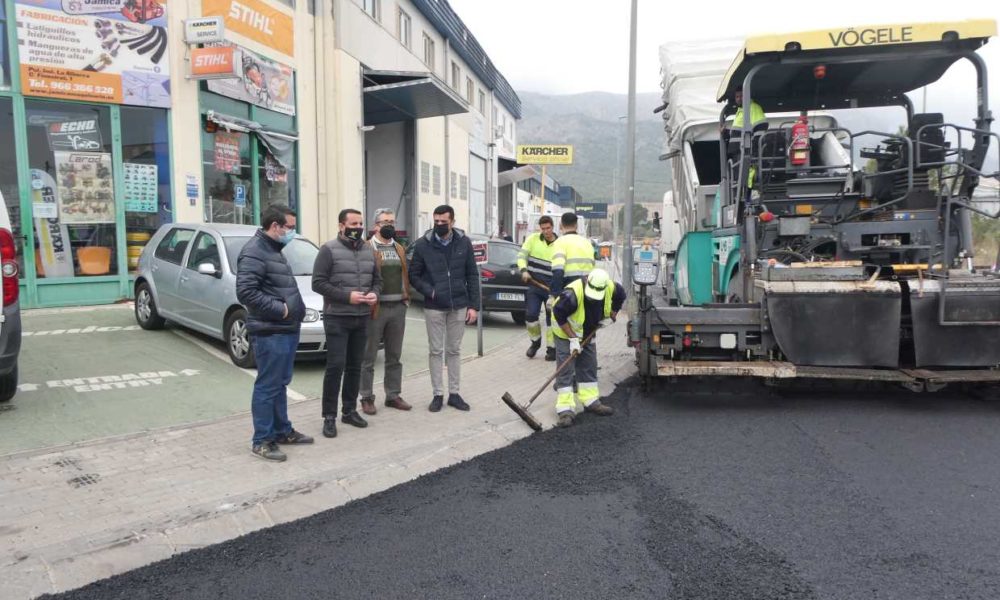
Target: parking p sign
[{"x": 240, "y": 196}]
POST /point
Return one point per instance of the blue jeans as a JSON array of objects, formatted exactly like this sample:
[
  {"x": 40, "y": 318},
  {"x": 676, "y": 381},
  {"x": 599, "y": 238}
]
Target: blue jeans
[{"x": 275, "y": 359}]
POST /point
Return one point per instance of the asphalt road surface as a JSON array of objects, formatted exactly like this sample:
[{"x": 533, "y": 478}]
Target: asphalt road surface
[{"x": 713, "y": 492}]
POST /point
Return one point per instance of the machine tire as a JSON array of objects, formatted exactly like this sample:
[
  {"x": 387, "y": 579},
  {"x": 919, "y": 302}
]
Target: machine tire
[
  {"x": 734, "y": 291},
  {"x": 8, "y": 385},
  {"x": 146, "y": 314},
  {"x": 518, "y": 317},
  {"x": 238, "y": 342}
]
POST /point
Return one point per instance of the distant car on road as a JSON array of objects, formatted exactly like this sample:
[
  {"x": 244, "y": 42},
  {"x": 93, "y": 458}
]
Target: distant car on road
[
  {"x": 503, "y": 290},
  {"x": 187, "y": 275},
  {"x": 10, "y": 326}
]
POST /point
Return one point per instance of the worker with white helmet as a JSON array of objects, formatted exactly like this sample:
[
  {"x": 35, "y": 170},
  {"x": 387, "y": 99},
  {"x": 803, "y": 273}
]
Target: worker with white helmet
[{"x": 586, "y": 304}]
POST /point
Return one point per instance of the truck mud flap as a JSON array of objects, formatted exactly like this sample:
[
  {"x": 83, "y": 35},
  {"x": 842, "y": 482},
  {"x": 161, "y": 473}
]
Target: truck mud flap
[
  {"x": 835, "y": 323},
  {"x": 967, "y": 341}
]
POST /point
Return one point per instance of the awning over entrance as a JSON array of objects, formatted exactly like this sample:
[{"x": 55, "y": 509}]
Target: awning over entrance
[
  {"x": 392, "y": 96},
  {"x": 515, "y": 175}
]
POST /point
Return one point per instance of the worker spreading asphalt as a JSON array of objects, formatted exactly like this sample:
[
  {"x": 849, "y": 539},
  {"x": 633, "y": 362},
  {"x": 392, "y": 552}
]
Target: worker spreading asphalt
[{"x": 719, "y": 491}]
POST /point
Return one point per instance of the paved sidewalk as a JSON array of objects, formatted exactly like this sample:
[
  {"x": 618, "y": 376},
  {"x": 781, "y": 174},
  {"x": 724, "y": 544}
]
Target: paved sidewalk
[{"x": 79, "y": 513}]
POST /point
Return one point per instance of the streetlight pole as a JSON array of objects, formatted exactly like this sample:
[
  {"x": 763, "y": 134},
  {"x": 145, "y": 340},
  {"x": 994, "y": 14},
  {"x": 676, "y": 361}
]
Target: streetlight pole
[
  {"x": 630, "y": 157},
  {"x": 618, "y": 162}
]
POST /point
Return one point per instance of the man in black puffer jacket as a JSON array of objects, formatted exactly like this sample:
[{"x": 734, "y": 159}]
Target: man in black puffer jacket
[
  {"x": 266, "y": 286},
  {"x": 444, "y": 270}
]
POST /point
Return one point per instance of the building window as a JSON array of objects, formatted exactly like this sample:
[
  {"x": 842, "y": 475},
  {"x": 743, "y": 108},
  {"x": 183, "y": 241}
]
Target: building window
[
  {"x": 425, "y": 177},
  {"x": 463, "y": 187},
  {"x": 437, "y": 180},
  {"x": 456, "y": 76},
  {"x": 4, "y": 59},
  {"x": 372, "y": 8},
  {"x": 429, "y": 52},
  {"x": 403, "y": 28},
  {"x": 470, "y": 90},
  {"x": 482, "y": 102},
  {"x": 146, "y": 158},
  {"x": 454, "y": 185}
]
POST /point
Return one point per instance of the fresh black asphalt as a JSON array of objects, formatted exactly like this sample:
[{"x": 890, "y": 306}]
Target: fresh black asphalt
[{"x": 709, "y": 491}]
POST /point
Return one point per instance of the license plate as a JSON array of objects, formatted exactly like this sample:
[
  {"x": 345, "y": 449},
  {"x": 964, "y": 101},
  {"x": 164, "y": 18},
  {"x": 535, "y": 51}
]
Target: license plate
[{"x": 510, "y": 297}]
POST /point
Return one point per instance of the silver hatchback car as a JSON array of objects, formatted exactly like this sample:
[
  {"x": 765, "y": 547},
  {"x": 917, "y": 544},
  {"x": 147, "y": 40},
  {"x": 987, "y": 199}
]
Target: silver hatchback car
[{"x": 187, "y": 275}]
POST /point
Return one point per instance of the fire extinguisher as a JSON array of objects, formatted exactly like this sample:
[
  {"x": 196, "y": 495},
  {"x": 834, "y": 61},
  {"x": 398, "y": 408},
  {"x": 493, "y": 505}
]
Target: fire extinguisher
[{"x": 799, "y": 150}]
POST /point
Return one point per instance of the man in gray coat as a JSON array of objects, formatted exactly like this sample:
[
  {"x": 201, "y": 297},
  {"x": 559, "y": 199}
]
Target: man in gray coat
[{"x": 347, "y": 276}]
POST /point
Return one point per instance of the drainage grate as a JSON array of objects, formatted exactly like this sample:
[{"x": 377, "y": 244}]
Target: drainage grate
[
  {"x": 82, "y": 480},
  {"x": 68, "y": 462}
]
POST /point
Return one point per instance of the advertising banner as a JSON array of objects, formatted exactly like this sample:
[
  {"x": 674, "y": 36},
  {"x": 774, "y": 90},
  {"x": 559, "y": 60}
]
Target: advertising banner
[
  {"x": 213, "y": 62},
  {"x": 592, "y": 210},
  {"x": 85, "y": 190},
  {"x": 544, "y": 154},
  {"x": 54, "y": 252},
  {"x": 141, "y": 190},
  {"x": 257, "y": 20},
  {"x": 82, "y": 135},
  {"x": 273, "y": 171},
  {"x": 95, "y": 50},
  {"x": 259, "y": 81},
  {"x": 227, "y": 152}
]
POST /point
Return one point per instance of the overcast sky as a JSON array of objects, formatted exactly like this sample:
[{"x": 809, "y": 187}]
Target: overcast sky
[{"x": 570, "y": 46}]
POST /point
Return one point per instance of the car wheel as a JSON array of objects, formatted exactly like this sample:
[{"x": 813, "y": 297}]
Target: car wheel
[
  {"x": 145, "y": 308},
  {"x": 518, "y": 316},
  {"x": 8, "y": 385},
  {"x": 238, "y": 340}
]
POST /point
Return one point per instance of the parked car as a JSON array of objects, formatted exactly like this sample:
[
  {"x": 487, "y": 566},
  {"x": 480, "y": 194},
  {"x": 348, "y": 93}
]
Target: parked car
[
  {"x": 10, "y": 325},
  {"x": 503, "y": 290},
  {"x": 187, "y": 275}
]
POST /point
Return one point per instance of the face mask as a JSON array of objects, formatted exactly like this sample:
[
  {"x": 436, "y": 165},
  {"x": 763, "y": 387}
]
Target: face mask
[
  {"x": 353, "y": 233},
  {"x": 287, "y": 237},
  {"x": 441, "y": 229},
  {"x": 387, "y": 232}
]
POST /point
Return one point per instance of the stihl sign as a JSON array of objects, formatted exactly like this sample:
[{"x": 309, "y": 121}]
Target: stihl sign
[{"x": 213, "y": 62}]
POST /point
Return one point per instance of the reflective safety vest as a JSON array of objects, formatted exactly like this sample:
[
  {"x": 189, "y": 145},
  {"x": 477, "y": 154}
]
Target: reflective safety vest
[
  {"x": 573, "y": 254},
  {"x": 576, "y": 319},
  {"x": 536, "y": 256},
  {"x": 756, "y": 115}
]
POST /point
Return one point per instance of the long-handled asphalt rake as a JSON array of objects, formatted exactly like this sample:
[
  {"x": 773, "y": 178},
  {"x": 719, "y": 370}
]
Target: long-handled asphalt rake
[{"x": 522, "y": 411}]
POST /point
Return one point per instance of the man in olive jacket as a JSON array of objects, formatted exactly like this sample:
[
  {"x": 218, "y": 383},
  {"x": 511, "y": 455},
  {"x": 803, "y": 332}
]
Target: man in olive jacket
[
  {"x": 266, "y": 286},
  {"x": 444, "y": 270},
  {"x": 346, "y": 275}
]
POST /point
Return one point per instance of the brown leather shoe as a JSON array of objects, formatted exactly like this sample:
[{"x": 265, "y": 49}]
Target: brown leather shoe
[
  {"x": 368, "y": 406},
  {"x": 398, "y": 404}
]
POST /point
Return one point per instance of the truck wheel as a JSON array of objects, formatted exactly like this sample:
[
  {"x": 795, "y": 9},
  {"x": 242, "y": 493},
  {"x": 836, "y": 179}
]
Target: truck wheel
[
  {"x": 8, "y": 385},
  {"x": 146, "y": 314},
  {"x": 734, "y": 291},
  {"x": 238, "y": 342},
  {"x": 517, "y": 316}
]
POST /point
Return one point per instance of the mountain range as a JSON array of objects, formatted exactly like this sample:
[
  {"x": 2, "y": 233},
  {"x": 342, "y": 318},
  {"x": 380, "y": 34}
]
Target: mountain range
[{"x": 590, "y": 122}]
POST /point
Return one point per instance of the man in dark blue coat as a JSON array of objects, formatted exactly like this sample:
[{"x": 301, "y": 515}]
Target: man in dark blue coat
[
  {"x": 266, "y": 286},
  {"x": 444, "y": 270}
]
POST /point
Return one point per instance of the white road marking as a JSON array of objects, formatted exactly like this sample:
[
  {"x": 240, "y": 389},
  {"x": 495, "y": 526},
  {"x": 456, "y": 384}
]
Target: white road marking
[
  {"x": 105, "y": 383},
  {"x": 224, "y": 357}
]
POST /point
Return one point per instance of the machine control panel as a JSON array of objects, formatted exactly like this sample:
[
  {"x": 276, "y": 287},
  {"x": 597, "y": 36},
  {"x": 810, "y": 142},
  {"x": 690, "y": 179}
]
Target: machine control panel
[{"x": 646, "y": 267}]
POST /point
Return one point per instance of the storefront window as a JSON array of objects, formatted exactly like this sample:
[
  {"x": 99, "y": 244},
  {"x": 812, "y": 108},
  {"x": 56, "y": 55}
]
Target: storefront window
[
  {"x": 4, "y": 57},
  {"x": 146, "y": 165},
  {"x": 277, "y": 183},
  {"x": 73, "y": 197},
  {"x": 8, "y": 177},
  {"x": 227, "y": 175}
]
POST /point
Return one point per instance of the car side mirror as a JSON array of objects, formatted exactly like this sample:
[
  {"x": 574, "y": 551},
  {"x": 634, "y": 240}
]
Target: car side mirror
[{"x": 208, "y": 269}]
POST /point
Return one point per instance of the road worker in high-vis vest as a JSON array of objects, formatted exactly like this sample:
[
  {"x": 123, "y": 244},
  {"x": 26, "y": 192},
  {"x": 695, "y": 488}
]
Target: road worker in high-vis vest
[
  {"x": 572, "y": 255},
  {"x": 535, "y": 262},
  {"x": 586, "y": 305}
]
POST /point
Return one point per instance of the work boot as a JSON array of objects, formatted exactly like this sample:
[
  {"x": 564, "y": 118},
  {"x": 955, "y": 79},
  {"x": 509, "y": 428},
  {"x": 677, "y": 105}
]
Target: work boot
[
  {"x": 533, "y": 348},
  {"x": 368, "y": 405},
  {"x": 398, "y": 404},
  {"x": 268, "y": 451},
  {"x": 330, "y": 427},
  {"x": 565, "y": 419},
  {"x": 294, "y": 437},
  {"x": 601, "y": 410},
  {"x": 436, "y": 403},
  {"x": 550, "y": 353},
  {"x": 455, "y": 401},
  {"x": 353, "y": 418}
]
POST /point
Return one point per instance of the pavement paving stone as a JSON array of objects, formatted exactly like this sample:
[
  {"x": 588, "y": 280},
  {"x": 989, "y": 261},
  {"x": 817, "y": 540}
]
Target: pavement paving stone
[
  {"x": 26, "y": 577},
  {"x": 150, "y": 494}
]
